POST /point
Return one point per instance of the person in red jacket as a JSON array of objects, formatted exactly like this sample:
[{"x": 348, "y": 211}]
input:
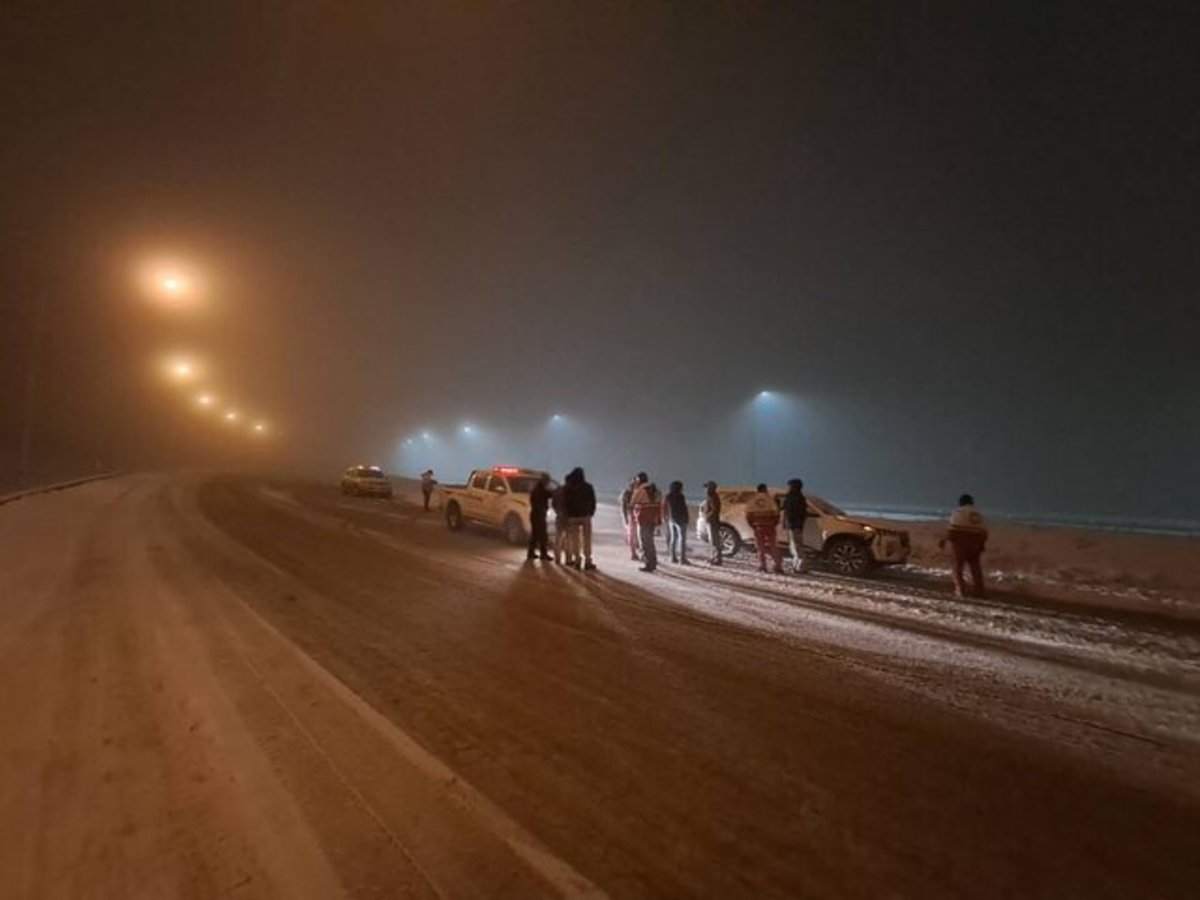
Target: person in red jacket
[
  {"x": 646, "y": 508},
  {"x": 967, "y": 535},
  {"x": 762, "y": 514}
]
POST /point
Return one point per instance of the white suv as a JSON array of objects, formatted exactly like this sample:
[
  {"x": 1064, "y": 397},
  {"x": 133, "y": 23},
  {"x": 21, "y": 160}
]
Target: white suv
[{"x": 846, "y": 545}]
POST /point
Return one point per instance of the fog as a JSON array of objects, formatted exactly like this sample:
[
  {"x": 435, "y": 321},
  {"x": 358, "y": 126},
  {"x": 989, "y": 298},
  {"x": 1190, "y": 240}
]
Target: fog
[{"x": 955, "y": 245}]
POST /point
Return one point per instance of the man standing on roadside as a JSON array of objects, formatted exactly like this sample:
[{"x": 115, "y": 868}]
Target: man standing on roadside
[
  {"x": 579, "y": 497},
  {"x": 795, "y": 511},
  {"x": 711, "y": 510},
  {"x": 562, "y": 550},
  {"x": 646, "y": 505},
  {"x": 539, "y": 505},
  {"x": 427, "y": 484},
  {"x": 967, "y": 535},
  {"x": 675, "y": 510},
  {"x": 762, "y": 514},
  {"x": 627, "y": 517}
]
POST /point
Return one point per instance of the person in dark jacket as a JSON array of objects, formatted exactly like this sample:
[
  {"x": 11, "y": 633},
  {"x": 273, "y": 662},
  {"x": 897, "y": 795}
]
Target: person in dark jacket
[
  {"x": 539, "y": 505},
  {"x": 675, "y": 511},
  {"x": 795, "y": 511},
  {"x": 579, "y": 497}
]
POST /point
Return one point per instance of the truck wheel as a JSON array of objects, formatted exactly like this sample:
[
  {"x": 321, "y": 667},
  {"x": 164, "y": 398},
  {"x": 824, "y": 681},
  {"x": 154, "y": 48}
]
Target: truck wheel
[
  {"x": 731, "y": 541},
  {"x": 454, "y": 519},
  {"x": 847, "y": 556},
  {"x": 514, "y": 531}
]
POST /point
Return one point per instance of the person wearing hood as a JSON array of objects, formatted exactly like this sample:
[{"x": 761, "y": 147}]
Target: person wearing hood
[
  {"x": 675, "y": 511},
  {"x": 539, "y": 505},
  {"x": 646, "y": 505},
  {"x": 579, "y": 499},
  {"x": 967, "y": 534},
  {"x": 794, "y": 513},
  {"x": 762, "y": 514}
]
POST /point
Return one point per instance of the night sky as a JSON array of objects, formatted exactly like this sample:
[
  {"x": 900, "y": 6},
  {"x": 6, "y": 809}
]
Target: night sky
[{"x": 957, "y": 241}]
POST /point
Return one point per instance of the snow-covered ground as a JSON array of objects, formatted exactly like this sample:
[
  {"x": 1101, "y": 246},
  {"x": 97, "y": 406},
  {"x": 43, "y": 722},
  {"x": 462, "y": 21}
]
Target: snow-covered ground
[
  {"x": 1102, "y": 628},
  {"x": 221, "y": 686}
]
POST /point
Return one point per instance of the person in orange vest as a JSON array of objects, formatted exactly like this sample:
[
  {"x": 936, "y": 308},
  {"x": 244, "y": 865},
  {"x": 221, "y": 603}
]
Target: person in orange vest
[
  {"x": 646, "y": 508},
  {"x": 968, "y": 536},
  {"x": 762, "y": 514}
]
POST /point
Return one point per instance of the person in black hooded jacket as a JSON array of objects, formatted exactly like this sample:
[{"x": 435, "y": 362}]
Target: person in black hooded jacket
[
  {"x": 539, "y": 505},
  {"x": 579, "y": 498},
  {"x": 795, "y": 511}
]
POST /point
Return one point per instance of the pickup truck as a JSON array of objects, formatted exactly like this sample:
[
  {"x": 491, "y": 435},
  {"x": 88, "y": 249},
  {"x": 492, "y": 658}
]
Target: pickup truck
[{"x": 495, "y": 498}]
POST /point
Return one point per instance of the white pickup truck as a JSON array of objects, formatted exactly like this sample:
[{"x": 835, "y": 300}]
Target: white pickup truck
[{"x": 495, "y": 498}]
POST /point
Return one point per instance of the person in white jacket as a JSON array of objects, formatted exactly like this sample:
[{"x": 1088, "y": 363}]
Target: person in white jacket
[{"x": 967, "y": 536}]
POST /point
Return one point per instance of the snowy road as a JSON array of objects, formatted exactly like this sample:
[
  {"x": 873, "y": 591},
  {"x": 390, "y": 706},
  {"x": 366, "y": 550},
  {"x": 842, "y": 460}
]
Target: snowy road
[{"x": 219, "y": 687}]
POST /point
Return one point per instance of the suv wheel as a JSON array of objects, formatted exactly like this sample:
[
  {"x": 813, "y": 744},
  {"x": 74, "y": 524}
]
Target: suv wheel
[
  {"x": 731, "y": 541},
  {"x": 454, "y": 519},
  {"x": 514, "y": 531},
  {"x": 847, "y": 556}
]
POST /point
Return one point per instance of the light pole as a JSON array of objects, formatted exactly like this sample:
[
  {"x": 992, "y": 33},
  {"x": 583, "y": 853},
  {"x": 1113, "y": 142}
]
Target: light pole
[
  {"x": 755, "y": 414},
  {"x": 557, "y": 422}
]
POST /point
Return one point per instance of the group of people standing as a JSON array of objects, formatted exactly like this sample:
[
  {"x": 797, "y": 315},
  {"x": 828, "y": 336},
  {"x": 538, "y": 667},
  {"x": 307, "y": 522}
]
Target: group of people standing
[
  {"x": 574, "y": 506},
  {"x": 644, "y": 510}
]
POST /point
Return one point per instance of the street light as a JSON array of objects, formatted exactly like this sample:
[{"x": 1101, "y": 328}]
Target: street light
[
  {"x": 554, "y": 429},
  {"x": 232, "y": 415},
  {"x": 181, "y": 369},
  {"x": 756, "y": 413},
  {"x": 205, "y": 400},
  {"x": 170, "y": 285}
]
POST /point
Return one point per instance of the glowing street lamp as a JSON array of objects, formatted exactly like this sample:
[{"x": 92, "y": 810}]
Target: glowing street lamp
[
  {"x": 181, "y": 369},
  {"x": 761, "y": 398},
  {"x": 205, "y": 400},
  {"x": 260, "y": 427},
  {"x": 232, "y": 415},
  {"x": 170, "y": 285}
]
